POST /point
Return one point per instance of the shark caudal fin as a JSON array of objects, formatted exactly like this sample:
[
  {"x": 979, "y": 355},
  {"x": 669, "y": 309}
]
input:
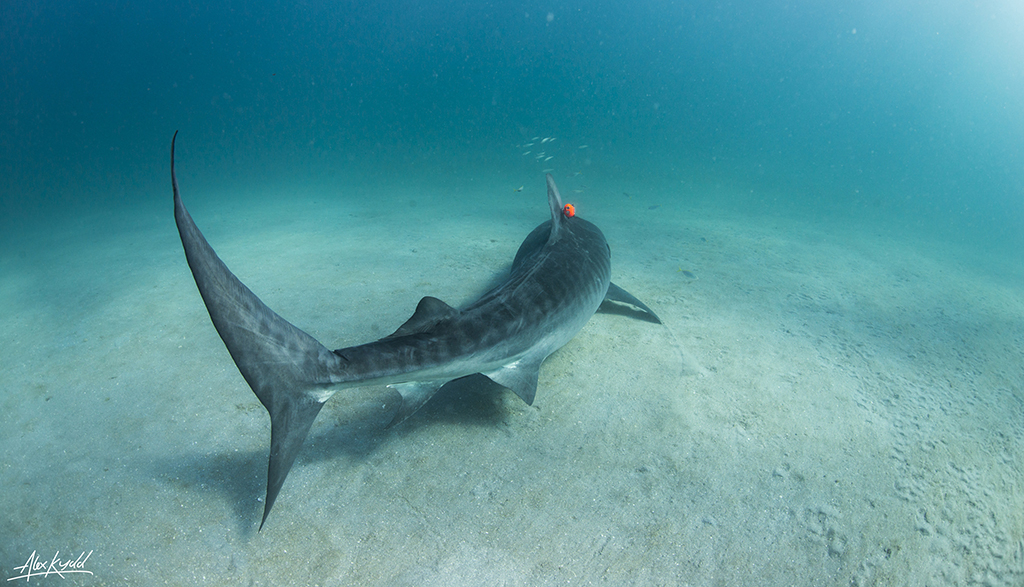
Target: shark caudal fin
[{"x": 288, "y": 370}]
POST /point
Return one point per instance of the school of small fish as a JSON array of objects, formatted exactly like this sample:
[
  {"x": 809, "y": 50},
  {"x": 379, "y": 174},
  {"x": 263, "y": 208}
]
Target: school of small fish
[
  {"x": 542, "y": 156},
  {"x": 536, "y": 147}
]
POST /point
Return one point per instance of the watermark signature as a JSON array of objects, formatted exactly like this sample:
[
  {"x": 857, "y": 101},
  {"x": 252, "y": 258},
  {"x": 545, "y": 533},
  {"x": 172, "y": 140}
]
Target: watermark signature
[{"x": 37, "y": 567}]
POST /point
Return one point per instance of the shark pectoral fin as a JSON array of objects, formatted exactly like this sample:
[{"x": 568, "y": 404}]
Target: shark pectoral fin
[
  {"x": 289, "y": 425},
  {"x": 414, "y": 395},
  {"x": 617, "y": 294},
  {"x": 428, "y": 313},
  {"x": 520, "y": 377}
]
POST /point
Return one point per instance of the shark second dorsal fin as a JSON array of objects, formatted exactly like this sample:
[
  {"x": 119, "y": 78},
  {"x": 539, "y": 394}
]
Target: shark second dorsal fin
[
  {"x": 555, "y": 202},
  {"x": 428, "y": 313}
]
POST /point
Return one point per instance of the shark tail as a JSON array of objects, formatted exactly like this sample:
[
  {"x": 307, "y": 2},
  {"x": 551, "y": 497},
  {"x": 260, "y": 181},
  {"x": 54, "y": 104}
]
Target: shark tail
[{"x": 289, "y": 371}]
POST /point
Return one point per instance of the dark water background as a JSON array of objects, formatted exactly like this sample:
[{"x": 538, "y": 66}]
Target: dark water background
[{"x": 910, "y": 110}]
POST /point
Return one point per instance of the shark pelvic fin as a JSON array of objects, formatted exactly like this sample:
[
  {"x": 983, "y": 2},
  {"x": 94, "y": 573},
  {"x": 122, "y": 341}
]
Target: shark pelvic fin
[{"x": 521, "y": 377}]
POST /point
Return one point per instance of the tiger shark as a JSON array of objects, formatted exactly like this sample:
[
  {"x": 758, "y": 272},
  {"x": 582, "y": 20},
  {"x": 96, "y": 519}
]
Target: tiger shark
[{"x": 559, "y": 278}]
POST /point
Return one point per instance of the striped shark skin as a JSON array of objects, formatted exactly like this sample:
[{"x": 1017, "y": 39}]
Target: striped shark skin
[{"x": 559, "y": 278}]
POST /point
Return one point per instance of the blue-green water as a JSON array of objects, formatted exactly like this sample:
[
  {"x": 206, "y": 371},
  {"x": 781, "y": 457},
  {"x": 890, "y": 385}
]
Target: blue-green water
[
  {"x": 858, "y": 105},
  {"x": 824, "y": 201}
]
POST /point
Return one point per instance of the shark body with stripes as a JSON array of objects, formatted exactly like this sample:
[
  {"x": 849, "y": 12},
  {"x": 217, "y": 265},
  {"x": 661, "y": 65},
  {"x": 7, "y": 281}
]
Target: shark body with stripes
[{"x": 560, "y": 276}]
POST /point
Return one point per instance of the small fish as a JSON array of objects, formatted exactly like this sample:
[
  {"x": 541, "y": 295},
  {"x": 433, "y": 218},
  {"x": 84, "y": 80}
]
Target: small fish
[
  {"x": 544, "y": 140},
  {"x": 535, "y": 139},
  {"x": 654, "y": 207},
  {"x": 518, "y": 189},
  {"x": 549, "y": 158},
  {"x": 546, "y": 170},
  {"x": 686, "y": 273},
  {"x": 584, "y": 146},
  {"x": 526, "y": 153},
  {"x": 528, "y": 145}
]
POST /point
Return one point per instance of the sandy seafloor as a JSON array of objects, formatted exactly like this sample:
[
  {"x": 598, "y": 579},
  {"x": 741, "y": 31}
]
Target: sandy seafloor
[{"x": 831, "y": 401}]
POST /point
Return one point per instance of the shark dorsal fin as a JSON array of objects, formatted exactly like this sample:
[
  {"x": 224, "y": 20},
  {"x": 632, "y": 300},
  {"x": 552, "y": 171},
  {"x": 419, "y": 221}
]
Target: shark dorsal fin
[
  {"x": 555, "y": 201},
  {"x": 428, "y": 313}
]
